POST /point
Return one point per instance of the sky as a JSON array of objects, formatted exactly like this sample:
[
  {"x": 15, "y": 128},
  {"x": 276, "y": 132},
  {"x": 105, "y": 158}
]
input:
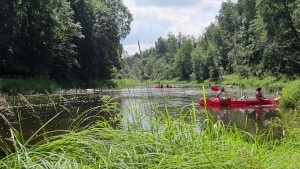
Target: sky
[{"x": 158, "y": 18}]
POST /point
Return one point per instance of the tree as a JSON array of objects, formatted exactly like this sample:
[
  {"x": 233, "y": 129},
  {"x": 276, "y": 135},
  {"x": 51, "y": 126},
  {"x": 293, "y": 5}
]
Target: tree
[
  {"x": 38, "y": 37},
  {"x": 63, "y": 61},
  {"x": 104, "y": 23},
  {"x": 7, "y": 15},
  {"x": 279, "y": 19},
  {"x": 183, "y": 62},
  {"x": 228, "y": 21}
]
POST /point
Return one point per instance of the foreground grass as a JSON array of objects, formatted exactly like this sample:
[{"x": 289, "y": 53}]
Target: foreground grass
[{"x": 164, "y": 143}]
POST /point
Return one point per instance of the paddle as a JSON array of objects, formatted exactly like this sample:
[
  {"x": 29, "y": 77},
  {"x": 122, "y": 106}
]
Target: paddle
[{"x": 214, "y": 88}]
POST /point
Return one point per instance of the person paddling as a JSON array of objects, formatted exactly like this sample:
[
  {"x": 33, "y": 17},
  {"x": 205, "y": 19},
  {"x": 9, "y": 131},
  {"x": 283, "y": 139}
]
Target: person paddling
[
  {"x": 222, "y": 94},
  {"x": 259, "y": 95}
]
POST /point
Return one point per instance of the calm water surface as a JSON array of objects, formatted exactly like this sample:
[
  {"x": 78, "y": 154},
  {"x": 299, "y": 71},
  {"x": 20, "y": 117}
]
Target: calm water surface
[{"x": 136, "y": 105}]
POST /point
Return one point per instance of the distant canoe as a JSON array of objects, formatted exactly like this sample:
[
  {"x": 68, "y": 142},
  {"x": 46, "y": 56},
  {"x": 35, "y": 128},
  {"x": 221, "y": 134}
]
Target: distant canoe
[{"x": 165, "y": 87}]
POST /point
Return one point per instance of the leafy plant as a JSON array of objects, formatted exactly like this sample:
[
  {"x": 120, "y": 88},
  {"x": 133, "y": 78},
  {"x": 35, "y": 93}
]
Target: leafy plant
[{"x": 291, "y": 94}]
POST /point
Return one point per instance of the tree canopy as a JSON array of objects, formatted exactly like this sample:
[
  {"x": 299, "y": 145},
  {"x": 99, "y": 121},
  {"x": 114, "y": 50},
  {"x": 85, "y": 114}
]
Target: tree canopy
[{"x": 62, "y": 39}]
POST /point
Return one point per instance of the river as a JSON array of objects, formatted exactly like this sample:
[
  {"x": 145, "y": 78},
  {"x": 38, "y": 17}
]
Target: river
[{"x": 72, "y": 110}]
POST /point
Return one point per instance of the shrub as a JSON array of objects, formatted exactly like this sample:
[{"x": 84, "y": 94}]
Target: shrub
[{"x": 291, "y": 94}]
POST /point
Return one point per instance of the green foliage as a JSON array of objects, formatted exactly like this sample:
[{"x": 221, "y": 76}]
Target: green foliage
[
  {"x": 41, "y": 35},
  {"x": 272, "y": 84},
  {"x": 281, "y": 34},
  {"x": 159, "y": 62},
  {"x": 250, "y": 38},
  {"x": 291, "y": 94},
  {"x": 79, "y": 40},
  {"x": 62, "y": 40},
  {"x": 183, "y": 60},
  {"x": 64, "y": 61},
  {"x": 104, "y": 24}
]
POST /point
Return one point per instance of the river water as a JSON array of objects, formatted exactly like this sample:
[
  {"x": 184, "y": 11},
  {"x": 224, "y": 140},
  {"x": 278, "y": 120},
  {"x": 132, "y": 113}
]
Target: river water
[
  {"x": 137, "y": 104},
  {"x": 72, "y": 109}
]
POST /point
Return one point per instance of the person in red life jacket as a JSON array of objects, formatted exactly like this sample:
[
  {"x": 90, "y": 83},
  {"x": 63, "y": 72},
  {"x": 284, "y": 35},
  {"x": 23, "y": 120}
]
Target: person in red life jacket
[{"x": 259, "y": 95}]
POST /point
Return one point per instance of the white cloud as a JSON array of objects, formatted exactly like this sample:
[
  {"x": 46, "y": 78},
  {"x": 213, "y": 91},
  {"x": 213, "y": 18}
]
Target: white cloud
[{"x": 155, "y": 18}]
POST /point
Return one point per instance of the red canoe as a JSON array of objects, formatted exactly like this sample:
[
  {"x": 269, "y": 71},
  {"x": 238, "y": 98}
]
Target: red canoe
[
  {"x": 217, "y": 102},
  {"x": 166, "y": 87}
]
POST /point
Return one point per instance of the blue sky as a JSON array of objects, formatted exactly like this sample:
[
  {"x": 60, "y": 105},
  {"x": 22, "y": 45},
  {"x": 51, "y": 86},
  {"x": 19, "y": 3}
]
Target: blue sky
[{"x": 158, "y": 18}]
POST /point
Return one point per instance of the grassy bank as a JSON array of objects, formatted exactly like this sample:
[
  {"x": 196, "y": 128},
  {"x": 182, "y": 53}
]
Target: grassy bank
[
  {"x": 164, "y": 143},
  {"x": 270, "y": 83},
  {"x": 14, "y": 86},
  {"x": 176, "y": 81},
  {"x": 28, "y": 86},
  {"x": 124, "y": 83}
]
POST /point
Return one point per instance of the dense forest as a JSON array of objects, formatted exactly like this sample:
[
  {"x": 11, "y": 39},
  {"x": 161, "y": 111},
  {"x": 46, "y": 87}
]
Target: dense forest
[
  {"x": 62, "y": 39},
  {"x": 249, "y": 38}
]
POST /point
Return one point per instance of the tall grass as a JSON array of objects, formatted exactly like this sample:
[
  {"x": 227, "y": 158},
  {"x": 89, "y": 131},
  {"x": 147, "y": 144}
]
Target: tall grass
[
  {"x": 188, "y": 141},
  {"x": 291, "y": 94},
  {"x": 27, "y": 86},
  {"x": 273, "y": 84},
  {"x": 123, "y": 83},
  {"x": 80, "y": 121}
]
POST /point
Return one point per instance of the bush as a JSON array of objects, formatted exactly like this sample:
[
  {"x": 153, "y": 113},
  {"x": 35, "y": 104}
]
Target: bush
[{"x": 291, "y": 94}]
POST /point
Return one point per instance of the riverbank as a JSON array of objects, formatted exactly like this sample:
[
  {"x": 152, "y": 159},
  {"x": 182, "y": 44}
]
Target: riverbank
[
  {"x": 29, "y": 86},
  {"x": 269, "y": 83},
  {"x": 287, "y": 87}
]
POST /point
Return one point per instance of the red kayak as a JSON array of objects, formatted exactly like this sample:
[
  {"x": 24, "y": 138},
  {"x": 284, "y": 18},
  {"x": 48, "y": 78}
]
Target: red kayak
[
  {"x": 217, "y": 102},
  {"x": 166, "y": 87}
]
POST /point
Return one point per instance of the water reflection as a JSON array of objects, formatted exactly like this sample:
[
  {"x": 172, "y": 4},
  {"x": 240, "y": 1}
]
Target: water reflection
[
  {"x": 246, "y": 117},
  {"x": 140, "y": 104}
]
